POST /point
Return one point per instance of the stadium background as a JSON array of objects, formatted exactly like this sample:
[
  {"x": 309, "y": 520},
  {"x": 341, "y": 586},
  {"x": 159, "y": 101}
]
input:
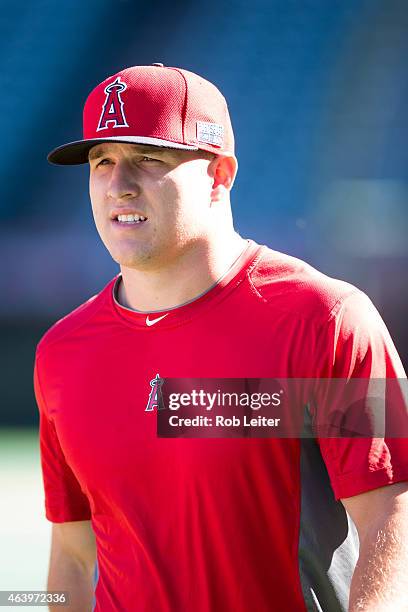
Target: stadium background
[{"x": 318, "y": 95}]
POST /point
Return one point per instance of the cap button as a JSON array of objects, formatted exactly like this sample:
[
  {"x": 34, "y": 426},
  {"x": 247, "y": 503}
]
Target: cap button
[{"x": 159, "y": 64}]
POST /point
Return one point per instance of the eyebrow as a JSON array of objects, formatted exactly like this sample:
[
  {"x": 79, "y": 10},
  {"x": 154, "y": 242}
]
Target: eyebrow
[{"x": 142, "y": 149}]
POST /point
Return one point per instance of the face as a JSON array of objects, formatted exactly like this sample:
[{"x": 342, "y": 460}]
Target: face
[{"x": 150, "y": 204}]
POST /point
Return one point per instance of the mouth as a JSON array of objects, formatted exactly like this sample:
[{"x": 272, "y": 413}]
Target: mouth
[{"x": 129, "y": 220}]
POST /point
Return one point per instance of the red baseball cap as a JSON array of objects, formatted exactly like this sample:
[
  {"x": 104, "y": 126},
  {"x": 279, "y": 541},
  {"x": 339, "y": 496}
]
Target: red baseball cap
[{"x": 154, "y": 105}]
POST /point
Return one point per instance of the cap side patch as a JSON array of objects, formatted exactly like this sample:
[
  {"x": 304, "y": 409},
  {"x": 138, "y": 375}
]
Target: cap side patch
[{"x": 210, "y": 133}]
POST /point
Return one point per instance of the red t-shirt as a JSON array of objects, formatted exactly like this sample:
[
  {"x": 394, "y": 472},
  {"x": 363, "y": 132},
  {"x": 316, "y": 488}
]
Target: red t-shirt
[{"x": 211, "y": 524}]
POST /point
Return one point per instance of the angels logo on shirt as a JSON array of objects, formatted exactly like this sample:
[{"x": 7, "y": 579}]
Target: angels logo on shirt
[
  {"x": 155, "y": 397},
  {"x": 112, "y": 109}
]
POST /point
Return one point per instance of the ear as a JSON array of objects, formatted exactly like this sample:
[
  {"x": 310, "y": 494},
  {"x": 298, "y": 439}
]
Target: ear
[{"x": 223, "y": 171}]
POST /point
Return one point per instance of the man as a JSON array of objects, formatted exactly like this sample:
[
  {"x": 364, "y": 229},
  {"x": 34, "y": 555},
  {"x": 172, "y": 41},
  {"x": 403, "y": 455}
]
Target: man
[{"x": 220, "y": 524}]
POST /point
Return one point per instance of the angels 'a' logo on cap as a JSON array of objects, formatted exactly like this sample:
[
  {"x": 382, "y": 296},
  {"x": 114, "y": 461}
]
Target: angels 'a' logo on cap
[{"x": 112, "y": 109}]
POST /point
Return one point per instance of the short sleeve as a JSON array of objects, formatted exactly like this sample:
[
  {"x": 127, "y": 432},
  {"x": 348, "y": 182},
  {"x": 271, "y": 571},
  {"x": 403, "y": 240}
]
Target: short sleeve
[
  {"x": 64, "y": 499},
  {"x": 362, "y": 348}
]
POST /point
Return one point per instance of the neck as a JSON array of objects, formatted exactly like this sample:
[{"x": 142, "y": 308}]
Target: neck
[{"x": 194, "y": 273}]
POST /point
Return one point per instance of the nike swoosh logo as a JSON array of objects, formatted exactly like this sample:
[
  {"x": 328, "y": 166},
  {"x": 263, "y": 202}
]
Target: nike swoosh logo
[{"x": 150, "y": 322}]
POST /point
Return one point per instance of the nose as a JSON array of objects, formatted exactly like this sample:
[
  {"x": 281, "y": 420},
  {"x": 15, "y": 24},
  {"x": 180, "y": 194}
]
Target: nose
[{"x": 123, "y": 184}]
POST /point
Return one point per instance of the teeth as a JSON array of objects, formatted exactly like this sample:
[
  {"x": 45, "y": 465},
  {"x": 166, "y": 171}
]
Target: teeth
[{"x": 131, "y": 218}]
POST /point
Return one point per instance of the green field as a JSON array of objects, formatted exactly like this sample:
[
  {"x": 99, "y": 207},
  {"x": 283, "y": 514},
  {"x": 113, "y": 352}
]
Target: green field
[{"x": 24, "y": 531}]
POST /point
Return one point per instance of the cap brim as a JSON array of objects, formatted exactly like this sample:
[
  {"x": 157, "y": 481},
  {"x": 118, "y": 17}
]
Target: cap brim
[{"x": 77, "y": 152}]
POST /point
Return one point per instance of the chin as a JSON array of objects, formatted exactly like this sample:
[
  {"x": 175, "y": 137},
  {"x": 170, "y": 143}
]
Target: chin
[
  {"x": 144, "y": 256},
  {"x": 137, "y": 260}
]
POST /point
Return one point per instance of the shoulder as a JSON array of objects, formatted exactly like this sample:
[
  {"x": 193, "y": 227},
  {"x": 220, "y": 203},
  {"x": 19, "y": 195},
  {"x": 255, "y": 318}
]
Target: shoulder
[
  {"x": 349, "y": 329},
  {"x": 293, "y": 286},
  {"x": 74, "y": 320}
]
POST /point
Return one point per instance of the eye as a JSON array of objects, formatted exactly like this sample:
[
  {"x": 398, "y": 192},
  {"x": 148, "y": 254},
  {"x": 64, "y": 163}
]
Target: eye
[
  {"x": 146, "y": 158},
  {"x": 103, "y": 162}
]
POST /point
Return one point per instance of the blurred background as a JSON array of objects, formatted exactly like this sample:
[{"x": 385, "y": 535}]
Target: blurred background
[{"x": 318, "y": 95}]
